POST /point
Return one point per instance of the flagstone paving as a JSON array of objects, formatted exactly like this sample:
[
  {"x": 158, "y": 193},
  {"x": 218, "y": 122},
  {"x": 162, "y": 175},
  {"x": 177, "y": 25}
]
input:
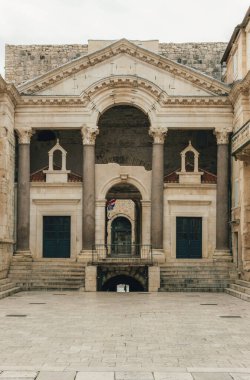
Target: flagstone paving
[{"x": 124, "y": 336}]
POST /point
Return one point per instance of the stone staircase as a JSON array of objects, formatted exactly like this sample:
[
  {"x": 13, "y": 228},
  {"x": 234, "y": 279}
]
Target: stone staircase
[
  {"x": 240, "y": 289},
  {"x": 7, "y": 288},
  {"x": 197, "y": 277},
  {"x": 48, "y": 274}
]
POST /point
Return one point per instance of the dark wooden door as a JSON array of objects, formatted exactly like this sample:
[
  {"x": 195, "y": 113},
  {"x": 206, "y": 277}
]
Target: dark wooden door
[
  {"x": 188, "y": 238},
  {"x": 56, "y": 236},
  {"x": 121, "y": 236}
]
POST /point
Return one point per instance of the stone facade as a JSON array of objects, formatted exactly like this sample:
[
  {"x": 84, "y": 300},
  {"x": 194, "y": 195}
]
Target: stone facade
[
  {"x": 7, "y": 165},
  {"x": 24, "y": 62},
  {"x": 120, "y": 120}
]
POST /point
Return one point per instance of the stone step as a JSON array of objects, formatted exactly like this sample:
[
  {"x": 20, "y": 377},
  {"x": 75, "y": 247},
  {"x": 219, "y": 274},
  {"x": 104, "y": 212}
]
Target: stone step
[
  {"x": 44, "y": 276},
  {"x": 4, "y": 281},
  {"x": 193, "y": 269},
  {"x": 57, "y": 263},
  {"x": 235, "y": 293},
  {"x": 196, "y": 289},
  {"x": 192, "y": 279},
  {"x": 68, "y": 279},
  {"x": 7, "y": 286},
  {"x": 246, "y": 284},
  {"x": 43, "y": 285},
  {"x": 240, "y": 288},
  {"x": 6, "y": 293}
]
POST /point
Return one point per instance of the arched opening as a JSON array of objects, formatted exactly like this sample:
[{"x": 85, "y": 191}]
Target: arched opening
[
  {"x": 123, "y": 220},
  {"x": 189, "y": 161},
  {"x": 123, "y": 137},
  {"x": 57, "y": 160},
  {"x": 114, "y": 283}
]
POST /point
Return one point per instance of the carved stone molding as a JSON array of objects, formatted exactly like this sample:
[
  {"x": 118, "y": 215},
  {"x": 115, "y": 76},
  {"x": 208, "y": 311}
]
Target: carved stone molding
[
  {"x": 158, "y": 133},
  {"x": 89, "y": 134},
  {"x": 3, "y": 132},
  {"x": 24, "y": 135},
  {"x": 222, "y": 136},
  {"x": 124, "y": 47}
]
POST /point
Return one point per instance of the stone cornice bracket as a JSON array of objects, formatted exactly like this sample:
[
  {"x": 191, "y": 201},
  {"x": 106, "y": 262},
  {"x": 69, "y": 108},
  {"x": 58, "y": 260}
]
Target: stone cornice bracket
[
  {"x": 158, "y": 133},
  {"x": 89, "y": 134},
  {"x": 222, "y": 136},
  {"x": 24, "y": 135}
]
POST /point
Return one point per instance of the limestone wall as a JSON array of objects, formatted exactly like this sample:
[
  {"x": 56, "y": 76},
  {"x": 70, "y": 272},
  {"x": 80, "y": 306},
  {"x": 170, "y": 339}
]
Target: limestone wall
[
  {"x": 204, "y": 57},
  {"x": 7, "y": 165},
  {"x": 24, "y": 62}
]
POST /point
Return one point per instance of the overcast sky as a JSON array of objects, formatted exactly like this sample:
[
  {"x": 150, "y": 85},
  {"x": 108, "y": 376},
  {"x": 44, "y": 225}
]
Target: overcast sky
[{"x": 76, "y": 21}]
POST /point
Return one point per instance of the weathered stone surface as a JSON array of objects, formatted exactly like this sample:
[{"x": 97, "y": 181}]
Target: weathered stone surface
[{"x": 24, "y": 62}]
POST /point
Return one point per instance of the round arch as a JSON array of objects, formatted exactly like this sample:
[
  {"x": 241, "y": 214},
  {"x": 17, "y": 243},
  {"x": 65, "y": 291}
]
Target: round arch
[
  {"x": 117, "y": 180},
  {"x": 134, "y": 284},
  {"x": 124, "y": 90}
]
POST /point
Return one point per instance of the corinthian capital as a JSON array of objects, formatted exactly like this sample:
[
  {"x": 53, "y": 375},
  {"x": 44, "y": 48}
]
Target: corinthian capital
[
  {"x": 89, "y": 134},
  {"x": 222, "y": 135},
  {"x": 24, "y": 135},
  {"x": 158, "y": 133}
]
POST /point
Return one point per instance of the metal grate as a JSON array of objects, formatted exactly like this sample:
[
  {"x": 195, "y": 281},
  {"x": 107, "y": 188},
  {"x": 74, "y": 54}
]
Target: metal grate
[
  {"x": 37, "y": 303},
  {"x": 208, "y": 304},
  {"x": 16, "y": 315},
  {"x": 230, "y": 316}
]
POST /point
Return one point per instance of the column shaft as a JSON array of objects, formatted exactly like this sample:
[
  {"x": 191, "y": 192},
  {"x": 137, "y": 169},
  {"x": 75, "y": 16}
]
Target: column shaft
[
  {"x": 23, "y": 198},
  {"x": 88, "y": 199},
  {"x": 157, "y": 196},
  {"x": 222, "y": 225}
]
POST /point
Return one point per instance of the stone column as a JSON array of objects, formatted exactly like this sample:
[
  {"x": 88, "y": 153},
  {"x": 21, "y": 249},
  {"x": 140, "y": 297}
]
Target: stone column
[
  {"x": 222, "y": 196},
  {"x": 23, "y": 191},
  {"x": 158, "y": 134},
  {"x": 88, "y": 196}
]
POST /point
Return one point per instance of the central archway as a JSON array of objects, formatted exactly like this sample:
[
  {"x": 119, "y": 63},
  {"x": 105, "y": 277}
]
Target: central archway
[{"x": 131, "y": 284}]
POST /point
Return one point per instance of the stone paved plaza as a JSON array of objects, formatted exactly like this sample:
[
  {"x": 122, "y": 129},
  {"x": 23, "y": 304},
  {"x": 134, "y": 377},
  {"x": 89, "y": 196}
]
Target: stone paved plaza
[{"x": 124, "y": 336}]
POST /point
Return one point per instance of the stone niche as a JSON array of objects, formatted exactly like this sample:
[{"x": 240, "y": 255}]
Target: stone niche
[
  {"x": 192, "y": 176},
  {"x": 57, "y": 175}
]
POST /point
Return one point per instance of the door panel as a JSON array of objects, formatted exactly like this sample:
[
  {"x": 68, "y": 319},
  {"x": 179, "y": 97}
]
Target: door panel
[
  {"x": 121, "y": 236},
  {"x": 56, "y": 236},
  {"x": 188, "y": 238}
]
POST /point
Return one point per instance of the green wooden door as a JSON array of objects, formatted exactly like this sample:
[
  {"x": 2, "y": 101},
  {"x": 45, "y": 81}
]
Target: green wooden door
[{"x": 56, "y": 236}]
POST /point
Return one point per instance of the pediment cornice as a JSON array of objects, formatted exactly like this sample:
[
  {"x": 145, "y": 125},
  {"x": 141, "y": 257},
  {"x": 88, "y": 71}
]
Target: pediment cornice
[
  {"x": 124, "y": 47},
  {"x": 9, "y": 89},
  {"x": 132, "y": 83},
  {"x": 241, "y": 87}
]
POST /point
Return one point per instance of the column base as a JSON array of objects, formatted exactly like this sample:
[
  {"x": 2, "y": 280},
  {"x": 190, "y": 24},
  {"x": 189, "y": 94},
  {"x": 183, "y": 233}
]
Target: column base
[
  {"x": 91, "y": 278},
  {"x": 153, "y": 279},
  {"x": 85, "y": 256},
  {"x": 158, "y": 256},
  {"x": 22, "y": 254},
  {"x": 222, "y": 255}
]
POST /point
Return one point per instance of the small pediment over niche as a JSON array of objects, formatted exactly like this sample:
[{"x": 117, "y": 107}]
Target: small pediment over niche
[
  {"x": 40, "y": 176},
  {"x": 206, "y": 177}
]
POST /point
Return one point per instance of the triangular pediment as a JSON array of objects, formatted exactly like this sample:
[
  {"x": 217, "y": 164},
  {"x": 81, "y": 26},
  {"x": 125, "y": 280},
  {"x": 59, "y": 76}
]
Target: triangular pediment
[{"x": 124, "y": 59}]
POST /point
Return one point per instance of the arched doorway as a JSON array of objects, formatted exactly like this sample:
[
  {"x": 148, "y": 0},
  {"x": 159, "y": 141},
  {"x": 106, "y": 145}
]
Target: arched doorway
[
  {"x": 123, "y": 220},
  {"x": 131, "y": 284},
  {"x": 121, "y": 236}
]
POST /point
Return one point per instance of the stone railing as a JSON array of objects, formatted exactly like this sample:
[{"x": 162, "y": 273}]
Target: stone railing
[{"x": 241, "y": 138}]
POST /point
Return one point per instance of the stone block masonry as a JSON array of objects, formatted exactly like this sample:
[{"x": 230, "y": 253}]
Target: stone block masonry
[{"x": 24, "y": 62}]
